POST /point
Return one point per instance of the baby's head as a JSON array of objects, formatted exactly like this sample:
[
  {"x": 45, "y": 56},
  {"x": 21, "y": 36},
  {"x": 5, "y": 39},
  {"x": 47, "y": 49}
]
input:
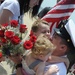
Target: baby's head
[
  {"x": 42, "y": 47},
  {"x": 41, "y": 26}
]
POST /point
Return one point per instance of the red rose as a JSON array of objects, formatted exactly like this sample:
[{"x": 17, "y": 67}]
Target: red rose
[
  {"x": 1, "y": 54},
  {"x": 5, "y": 25},
  {"x": 33, "y": 38},
  {"x": 9, "y": 34},
  {"x": 31, "y": 33},
  {"x": 15, "y": 40},
  {"x": 1, "y": 33},
  {"x": 3, "y": 40},
  {"x": 14, "y": 23},
  {"x": 23, "y": 28},
  {"x": 28, "y": 44}
]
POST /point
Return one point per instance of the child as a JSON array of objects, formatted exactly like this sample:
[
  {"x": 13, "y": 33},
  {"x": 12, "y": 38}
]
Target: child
[
  {"x": 41, "y": 26},
  {"x": 41, "y": 50}
]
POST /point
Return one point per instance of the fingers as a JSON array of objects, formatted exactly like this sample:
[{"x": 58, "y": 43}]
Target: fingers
[{"x": 54, "y": 69}]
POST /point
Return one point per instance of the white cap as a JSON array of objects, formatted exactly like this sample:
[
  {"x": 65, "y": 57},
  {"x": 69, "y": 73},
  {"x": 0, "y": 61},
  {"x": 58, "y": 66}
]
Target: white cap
[{"x": 70, "y": 27}]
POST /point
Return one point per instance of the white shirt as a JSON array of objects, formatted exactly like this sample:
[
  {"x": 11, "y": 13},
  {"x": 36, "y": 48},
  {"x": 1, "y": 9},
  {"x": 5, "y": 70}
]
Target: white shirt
[
  {"x": 13, "y": 6},
  {"x": 61, "y": 66}
]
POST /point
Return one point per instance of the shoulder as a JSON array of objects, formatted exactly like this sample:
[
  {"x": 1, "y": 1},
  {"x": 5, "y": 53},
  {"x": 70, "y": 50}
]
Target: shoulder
[{"x": 10, "y": 3}]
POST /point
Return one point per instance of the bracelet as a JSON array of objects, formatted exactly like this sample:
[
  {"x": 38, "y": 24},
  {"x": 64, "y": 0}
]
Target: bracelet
[{"x": 19, "y": 65}]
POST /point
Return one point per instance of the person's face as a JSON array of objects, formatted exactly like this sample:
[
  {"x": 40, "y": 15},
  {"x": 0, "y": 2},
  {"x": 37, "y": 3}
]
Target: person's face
[
  {"x": 33, "y": 3},
  {"x": 60, "y": 48},
  {"x": 44, "y": 57},
  {"x": 44, "y": 29}
]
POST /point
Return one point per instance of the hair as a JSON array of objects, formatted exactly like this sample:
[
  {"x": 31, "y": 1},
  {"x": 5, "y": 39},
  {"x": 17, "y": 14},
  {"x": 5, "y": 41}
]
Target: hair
[
  {"x": 44, "y": 11},
  {"x": 24, "y": 7},
  {"x": 35, "y": 26},
  {"x": 42, "y": 46},
  {"x": 58, "y": 1}
]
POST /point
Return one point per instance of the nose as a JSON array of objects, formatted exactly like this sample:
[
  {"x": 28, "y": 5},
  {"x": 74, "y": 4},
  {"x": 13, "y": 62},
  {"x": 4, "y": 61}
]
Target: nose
[{"x": 48, "y": 35}]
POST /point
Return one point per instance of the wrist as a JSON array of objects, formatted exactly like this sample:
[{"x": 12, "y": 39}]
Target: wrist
[{"x": 18, "y": 65}]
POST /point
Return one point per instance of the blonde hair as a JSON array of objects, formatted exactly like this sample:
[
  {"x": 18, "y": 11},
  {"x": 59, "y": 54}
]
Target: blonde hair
[
  {"x": 42, "y": 46},
  {"x": 36, "y": 24}
]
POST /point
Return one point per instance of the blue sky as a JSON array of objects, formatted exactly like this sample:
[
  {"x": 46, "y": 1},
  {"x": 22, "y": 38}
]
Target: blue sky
[{"x": 51, "y": 3}]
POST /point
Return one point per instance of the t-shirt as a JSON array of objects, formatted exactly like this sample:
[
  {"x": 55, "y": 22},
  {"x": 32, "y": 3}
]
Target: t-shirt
[{"x": 13, "y": 6}]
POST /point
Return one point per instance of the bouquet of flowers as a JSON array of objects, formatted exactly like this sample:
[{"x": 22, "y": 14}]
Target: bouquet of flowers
[{"x": 11, "y": 37}]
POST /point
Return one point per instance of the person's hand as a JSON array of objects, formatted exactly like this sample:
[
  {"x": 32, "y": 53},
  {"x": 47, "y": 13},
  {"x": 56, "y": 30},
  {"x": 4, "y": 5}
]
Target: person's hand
[
  {"x": 17, "y": 58},
  {"x": 56, "y": 59},
  {"x": 53, "y": 69}
]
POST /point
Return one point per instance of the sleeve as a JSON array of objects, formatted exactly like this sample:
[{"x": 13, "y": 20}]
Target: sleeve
[{"x": 12, "y": 6}]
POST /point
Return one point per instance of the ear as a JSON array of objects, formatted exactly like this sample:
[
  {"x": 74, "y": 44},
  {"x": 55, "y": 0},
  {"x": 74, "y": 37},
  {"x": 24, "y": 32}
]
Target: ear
[
  {"x": 40, "y": 56},
  {"x": 63, "y": 48}
]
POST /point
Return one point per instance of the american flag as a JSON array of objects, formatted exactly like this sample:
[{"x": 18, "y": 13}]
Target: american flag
[{"x": 61, "y": 11}]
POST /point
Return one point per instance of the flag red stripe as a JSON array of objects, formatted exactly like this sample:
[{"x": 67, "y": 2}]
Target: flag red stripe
[
  {"x": 60, "y": 11},
  {"x": 51, "y": 26},
  {"x": 64, "y": 2},
  {"x": 55, "y": 19}
]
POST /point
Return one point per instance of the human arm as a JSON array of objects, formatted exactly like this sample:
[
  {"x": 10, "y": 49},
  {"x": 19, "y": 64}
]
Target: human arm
[
  {"x": 61, "y": 69},
  {"x": 40, "y": 69},
  {"x": 52, "y": 70},
  {"x": 17, "y": 60},
  {"x": 19, "y": 71},
  {"x": 56, "y": 59},
  {"x": 41, "y": 66},
  {"x": 5, "y": 16},
  {"x": 9, "y": 10}
]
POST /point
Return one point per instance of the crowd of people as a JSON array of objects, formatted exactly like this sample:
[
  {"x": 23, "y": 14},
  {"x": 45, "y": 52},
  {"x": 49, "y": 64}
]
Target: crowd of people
[{"x": 49, "y": 54}]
